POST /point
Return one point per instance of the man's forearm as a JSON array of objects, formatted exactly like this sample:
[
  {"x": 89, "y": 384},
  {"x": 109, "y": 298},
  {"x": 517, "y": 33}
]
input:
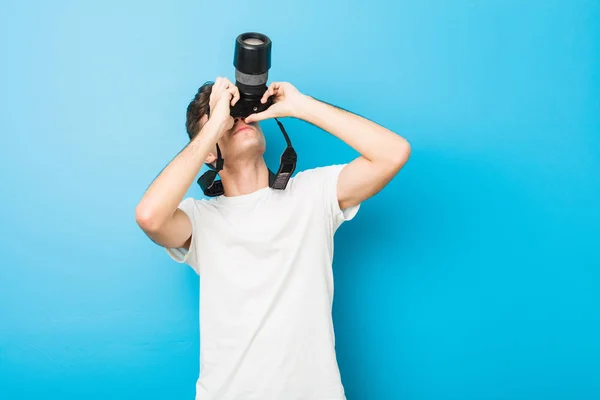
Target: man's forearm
[
  {"x": 163, "y": 196},
  {"x": 371, "y": 140}
]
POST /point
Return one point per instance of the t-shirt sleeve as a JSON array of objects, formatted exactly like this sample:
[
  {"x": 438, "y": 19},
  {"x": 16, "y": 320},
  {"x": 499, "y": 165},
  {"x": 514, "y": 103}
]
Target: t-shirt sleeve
[
  {"x": 330, "y": 176},
  {"x": 321, "y": 183},
  {"x": 181, "y": 254}
]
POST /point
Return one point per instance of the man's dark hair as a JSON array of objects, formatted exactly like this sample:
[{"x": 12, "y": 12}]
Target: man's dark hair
[{"x": 197, "y": 109}]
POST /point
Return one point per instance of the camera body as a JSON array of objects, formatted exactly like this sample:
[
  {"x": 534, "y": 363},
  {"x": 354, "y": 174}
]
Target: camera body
[
  {"x": 252, "y": 61},
  {"x": 249, "y": 104}
]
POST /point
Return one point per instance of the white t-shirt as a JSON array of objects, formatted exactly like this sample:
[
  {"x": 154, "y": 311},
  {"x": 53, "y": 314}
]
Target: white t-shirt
[{"x": 266, "y": 289}]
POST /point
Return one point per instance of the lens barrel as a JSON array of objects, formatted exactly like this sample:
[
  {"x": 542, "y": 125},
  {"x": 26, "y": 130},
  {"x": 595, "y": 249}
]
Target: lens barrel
[{"x": 252, "y": 57}]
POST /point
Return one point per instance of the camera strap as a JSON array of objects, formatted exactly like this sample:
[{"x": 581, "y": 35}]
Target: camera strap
[{"x": 287, "y": 165}]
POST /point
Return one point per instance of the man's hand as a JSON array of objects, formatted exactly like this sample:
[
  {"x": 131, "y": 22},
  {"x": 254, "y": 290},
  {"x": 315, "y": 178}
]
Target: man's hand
[
  {"x": 223, "y": 95},
  {"x": 287, "y": 102}
]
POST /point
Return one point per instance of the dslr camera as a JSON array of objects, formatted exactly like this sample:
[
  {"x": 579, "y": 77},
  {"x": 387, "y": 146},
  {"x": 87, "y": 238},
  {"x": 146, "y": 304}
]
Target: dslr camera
[{"x": 252, "y": 61}]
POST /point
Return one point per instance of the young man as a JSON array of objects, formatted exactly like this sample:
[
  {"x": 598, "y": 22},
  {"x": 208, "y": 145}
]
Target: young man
[{"x": 264, "y": 256}]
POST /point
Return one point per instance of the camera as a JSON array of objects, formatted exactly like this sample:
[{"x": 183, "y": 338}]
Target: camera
[{"x": 252, "y": 61}]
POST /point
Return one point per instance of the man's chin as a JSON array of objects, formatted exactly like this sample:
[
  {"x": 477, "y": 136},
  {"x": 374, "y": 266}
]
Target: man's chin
[{"x": 250, "y": 145}]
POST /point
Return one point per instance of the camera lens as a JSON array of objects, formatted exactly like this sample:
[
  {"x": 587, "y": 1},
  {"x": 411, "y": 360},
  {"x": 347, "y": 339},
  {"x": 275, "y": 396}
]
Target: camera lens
[
  {"x": 253, "y": 41},
  {"x": 252, "y": 58}
]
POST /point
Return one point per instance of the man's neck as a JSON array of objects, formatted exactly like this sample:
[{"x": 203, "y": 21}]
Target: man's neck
[{"x": 245, "y": 177}]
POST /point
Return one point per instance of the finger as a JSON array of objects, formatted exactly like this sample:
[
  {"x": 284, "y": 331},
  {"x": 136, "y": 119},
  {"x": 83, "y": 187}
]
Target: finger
[
  {"x": 258, "y": 117},
  {"x": 228, "y": 94},
  {"x": 224, "y": 84},
  {"x": 214, "y": 86},
  {"x": 227, "y": 82},
  {"x": 252, "y": 118},
  {"x": 267, "y": 93},
  {"x": 271, "y": 90},
  {"x": 235, "y": 93},
  {"x": 215, "y": 89},
  {"x": 274, "y": 89}
]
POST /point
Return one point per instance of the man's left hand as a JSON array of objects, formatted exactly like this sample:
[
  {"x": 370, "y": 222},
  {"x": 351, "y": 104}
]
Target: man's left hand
[{"x": 287, "y": 102}]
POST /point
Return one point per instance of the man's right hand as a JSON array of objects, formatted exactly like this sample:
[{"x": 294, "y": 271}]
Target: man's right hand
[{"x": 223, "y": 95}]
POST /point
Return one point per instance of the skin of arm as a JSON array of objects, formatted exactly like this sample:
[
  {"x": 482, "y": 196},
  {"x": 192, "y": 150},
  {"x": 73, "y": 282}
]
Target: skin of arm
[
  {"x": 382, "y": 152},
  {"x": 157, "y": 213}
]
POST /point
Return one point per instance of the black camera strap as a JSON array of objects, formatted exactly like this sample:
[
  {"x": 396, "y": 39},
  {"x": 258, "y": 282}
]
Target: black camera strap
[{"x": 287, "y": 165}]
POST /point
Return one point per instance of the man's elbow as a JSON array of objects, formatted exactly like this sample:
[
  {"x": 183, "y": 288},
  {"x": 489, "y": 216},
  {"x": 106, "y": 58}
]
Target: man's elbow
[
  {"x": 399, "y": 154},
  {"x": 147, "y": 219}
]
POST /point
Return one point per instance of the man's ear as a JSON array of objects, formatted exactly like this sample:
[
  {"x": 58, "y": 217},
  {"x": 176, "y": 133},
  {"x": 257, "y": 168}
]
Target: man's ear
[{"x": 210, "y": 158}]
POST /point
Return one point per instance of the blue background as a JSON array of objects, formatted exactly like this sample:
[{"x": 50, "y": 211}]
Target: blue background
[{"x": 473, "y": 275}]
